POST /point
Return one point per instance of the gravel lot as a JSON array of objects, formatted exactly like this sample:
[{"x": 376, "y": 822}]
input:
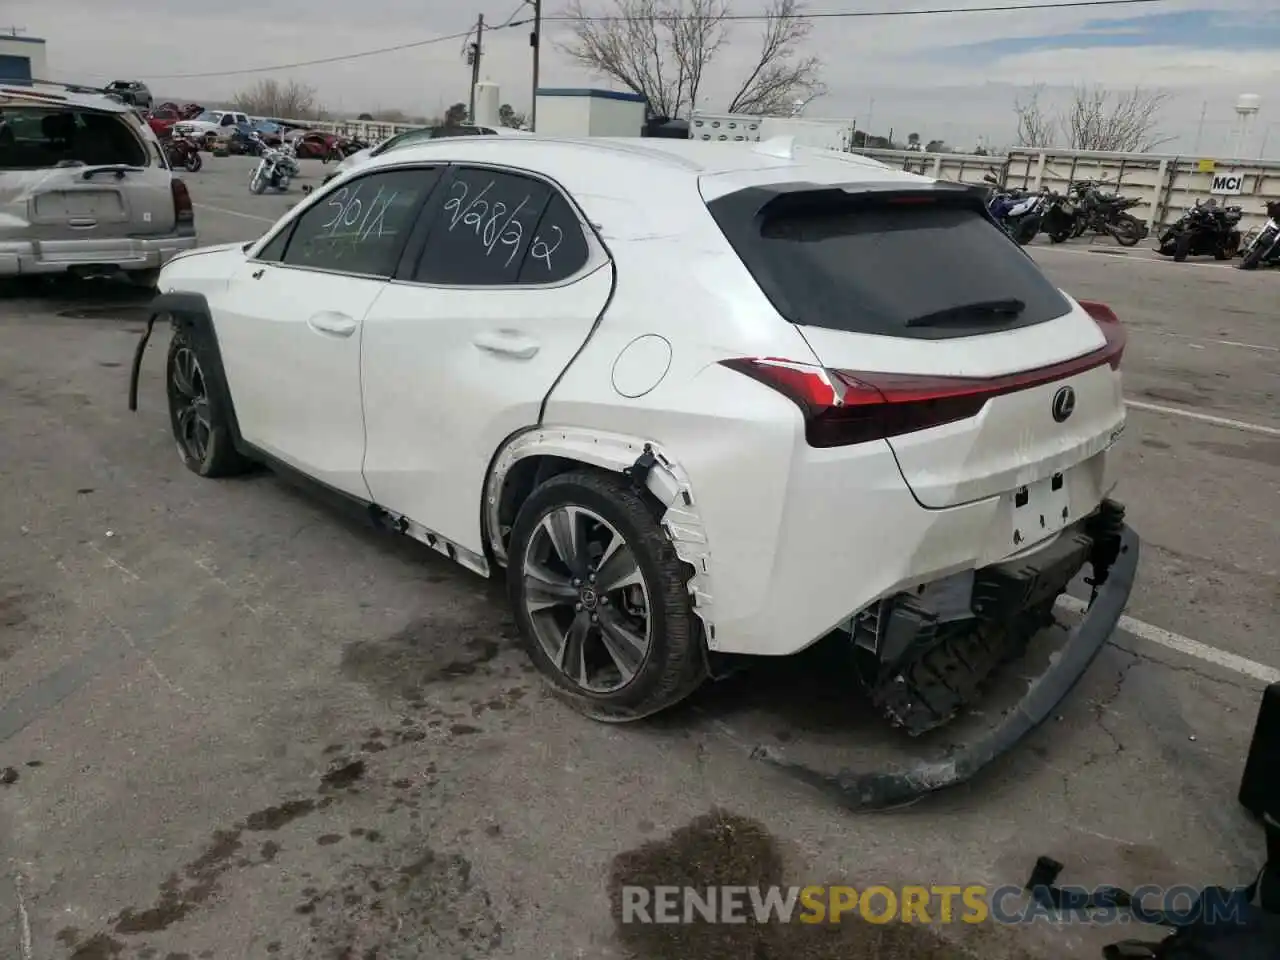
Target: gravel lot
[{"x": 244, "y": 726}]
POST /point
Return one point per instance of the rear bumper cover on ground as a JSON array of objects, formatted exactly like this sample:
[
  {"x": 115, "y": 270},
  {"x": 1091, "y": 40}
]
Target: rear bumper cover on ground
[
  {"x": 33, "y": 257},
  {"x": 881, "y": 789}
]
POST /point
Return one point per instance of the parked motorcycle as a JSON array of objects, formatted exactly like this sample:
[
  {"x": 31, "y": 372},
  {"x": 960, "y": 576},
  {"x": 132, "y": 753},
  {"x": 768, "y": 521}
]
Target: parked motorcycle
[
  {"x": 1087, "y": 208},
  {"x": 1019, "y": 212},
  {"x": 183, "y": 152},
  {"x": 1265, "y": 246},
  {"x": 276, "y": 167},
  {"x": 1206, "y": 229}
]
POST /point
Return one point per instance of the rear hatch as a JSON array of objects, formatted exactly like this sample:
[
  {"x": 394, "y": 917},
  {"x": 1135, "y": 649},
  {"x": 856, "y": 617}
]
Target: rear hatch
[
  {"x": 939, "y": 331},
  {"x": 71, "y": 172}
]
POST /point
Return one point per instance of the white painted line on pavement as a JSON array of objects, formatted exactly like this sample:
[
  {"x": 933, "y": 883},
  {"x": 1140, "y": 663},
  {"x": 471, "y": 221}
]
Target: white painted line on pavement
[
  {"x": 1243, "y": 425},
  {"x": 1185, "y": 645},
  {"x": 1124, "y": 257},
  {"x": 235, "y": 213},
  {"x": 1183, "y": 336}
]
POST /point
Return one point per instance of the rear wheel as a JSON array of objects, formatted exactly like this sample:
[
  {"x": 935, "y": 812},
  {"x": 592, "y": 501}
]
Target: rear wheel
[
  {"x": 1127, "y": 229},
  {"x": 1181, "y": 247},
  {"x": 602, "y": 600},
  {"x": 201, "y": 427}
]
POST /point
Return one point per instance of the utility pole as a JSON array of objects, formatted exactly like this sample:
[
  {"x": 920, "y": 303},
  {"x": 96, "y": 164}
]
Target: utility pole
[
  {"x": 473, "y": 57},
  {"x": 1200, "y": 127},
  {"x": 535, "y": 40}
]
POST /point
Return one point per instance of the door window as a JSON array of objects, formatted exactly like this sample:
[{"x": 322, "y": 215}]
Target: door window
[
  {"x": 362, "y": 226},
  {"x": 489, "y": 228}
]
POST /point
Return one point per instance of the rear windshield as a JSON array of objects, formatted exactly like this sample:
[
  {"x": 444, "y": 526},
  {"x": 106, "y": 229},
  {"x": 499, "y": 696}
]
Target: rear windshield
[
  {"x": 923, "y": 270},
  {"x": 34, "y": 138}
]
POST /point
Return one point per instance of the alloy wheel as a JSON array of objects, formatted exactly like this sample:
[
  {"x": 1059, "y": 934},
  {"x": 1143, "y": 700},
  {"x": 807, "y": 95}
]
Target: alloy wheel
[
  {"x": 587, "y": 599},
  {"x": 191, "y": 404}
]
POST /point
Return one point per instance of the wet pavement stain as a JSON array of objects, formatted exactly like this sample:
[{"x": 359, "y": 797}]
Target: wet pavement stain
[
  {"x": 1266, "y": 452},
  {"x": 425, "y": 652},
  {"x": 724, "y": 849},
  {"x": 414, "y": 905}
]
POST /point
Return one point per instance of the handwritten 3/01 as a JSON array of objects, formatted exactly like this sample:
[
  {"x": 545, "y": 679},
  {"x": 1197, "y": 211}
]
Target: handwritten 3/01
[{"x": 357, "y": 220}]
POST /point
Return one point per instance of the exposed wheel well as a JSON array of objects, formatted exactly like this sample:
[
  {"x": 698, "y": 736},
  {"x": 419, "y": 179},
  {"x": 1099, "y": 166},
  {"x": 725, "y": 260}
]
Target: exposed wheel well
[{"x": 527, "y": 474}]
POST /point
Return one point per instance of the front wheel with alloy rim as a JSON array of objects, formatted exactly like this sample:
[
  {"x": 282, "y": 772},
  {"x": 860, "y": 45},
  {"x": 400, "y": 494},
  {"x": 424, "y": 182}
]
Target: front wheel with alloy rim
[
  {"x": 602, "y": 600},
  {"x": 201, "y": 427}
]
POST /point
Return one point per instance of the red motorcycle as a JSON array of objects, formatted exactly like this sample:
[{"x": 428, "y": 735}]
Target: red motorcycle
[{"x": 183, "y": 152}]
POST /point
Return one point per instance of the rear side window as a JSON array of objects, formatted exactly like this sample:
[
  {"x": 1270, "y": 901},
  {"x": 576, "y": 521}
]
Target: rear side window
[
  {"x": 362, "y": 227},
  {"x": 35, "y": 138},
  {"x": 927, "y": 270},
  {"x": 486, "y": 225}
]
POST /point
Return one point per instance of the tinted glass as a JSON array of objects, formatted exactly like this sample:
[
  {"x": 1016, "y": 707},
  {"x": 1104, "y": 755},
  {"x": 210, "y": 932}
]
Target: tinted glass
[
  {"x": 929, "y": 270},
  {"x": 274, "y": 250},
  {"x": 559, "y": 247},
  {"x": 486, "y": 224},
  {"x": 33, "y": 138},
  {"x": 362, "y": 226}
]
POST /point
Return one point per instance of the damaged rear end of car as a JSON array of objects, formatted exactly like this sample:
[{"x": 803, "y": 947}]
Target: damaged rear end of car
[{"x": 933, "y": 338}]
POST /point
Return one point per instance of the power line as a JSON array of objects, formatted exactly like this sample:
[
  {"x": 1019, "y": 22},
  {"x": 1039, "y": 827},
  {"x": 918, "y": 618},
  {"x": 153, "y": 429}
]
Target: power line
[
  {"x": 311, "y": 63},
  {"x": 853, "y": 14},
  {"x": 739, "y": 17}
]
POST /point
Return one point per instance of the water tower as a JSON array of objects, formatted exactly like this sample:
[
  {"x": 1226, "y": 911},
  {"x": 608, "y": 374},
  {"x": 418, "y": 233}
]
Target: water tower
[{"x": 1247, "y": 105}]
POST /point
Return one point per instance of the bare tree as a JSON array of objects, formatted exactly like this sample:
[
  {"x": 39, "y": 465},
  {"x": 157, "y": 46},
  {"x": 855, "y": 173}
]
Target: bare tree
[
  {"x": 1119, "y": 122},
  {"x": 271, "y": 98},
  {"x": 1036, "y": 126},
  {"x": 1096, "y": 119},
  {"x": 781, "y": 75},
  {"x": 663, "y": 50}
]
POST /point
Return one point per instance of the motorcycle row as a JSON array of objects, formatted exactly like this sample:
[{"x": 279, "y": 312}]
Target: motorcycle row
[{"x": 1207, "y": 229}]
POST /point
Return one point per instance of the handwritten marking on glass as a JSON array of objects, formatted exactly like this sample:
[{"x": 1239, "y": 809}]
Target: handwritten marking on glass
[
  {"x": 541, "y": 250},
  {"x": 485, "y": 218},
  {"x": 355, "y": 220}
]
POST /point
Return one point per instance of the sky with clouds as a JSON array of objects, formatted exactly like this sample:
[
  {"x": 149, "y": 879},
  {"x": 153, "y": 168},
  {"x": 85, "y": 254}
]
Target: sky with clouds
[{"x": 949, "y": 76}]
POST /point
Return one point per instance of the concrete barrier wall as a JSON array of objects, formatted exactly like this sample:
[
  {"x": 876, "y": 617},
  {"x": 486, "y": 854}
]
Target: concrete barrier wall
[{"x": 1168, "y": 185}]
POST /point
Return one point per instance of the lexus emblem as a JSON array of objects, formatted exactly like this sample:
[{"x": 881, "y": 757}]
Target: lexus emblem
[{"x": 1064, "y": 403}]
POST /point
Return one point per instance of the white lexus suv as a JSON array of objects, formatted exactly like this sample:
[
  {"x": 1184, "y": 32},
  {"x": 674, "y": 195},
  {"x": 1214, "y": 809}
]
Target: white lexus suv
[{"x": 701, "y": 401}]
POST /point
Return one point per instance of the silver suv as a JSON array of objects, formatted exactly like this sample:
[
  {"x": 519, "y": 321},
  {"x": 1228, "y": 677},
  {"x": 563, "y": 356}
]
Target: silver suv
[
  {"x": 133, "y": 92},
  {"x": 85, "y": 188}
]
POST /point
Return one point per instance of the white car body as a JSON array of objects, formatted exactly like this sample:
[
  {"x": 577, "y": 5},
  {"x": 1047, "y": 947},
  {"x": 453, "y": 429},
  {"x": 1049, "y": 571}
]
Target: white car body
[
  {"x": 361, "y": 157},
  {"x": 426, "y": 397},
  {"x": 214, "y": 122}
]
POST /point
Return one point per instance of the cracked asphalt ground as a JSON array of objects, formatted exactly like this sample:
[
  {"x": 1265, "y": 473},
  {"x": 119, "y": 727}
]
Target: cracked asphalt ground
[{"x": 239, "y": 724}]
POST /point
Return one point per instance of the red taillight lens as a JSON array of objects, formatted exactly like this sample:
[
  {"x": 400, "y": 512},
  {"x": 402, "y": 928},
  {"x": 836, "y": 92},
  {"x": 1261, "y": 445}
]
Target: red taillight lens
[
  {"x": 1112, "y": 329},
  {"x": 844, "y": 407},
  {"x": 183, "y": 211}
]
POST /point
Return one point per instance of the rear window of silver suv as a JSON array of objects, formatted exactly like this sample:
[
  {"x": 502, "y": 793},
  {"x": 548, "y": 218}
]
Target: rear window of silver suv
[{"x": 36, "y": 138}]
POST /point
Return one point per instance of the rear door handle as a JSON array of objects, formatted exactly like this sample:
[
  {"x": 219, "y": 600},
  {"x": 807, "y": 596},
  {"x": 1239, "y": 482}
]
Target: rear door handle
[
  {"x": 333, "y": 324},
  {"x": 509, "y": 343}
]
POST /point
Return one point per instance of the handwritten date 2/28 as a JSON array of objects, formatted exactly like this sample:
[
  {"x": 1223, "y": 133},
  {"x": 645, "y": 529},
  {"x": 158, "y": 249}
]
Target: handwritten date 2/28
[{"x": 493, "y": 222}]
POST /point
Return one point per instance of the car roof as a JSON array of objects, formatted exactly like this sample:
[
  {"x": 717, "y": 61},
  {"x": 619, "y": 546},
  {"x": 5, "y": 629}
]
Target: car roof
[
  {"x": 628, "y": 166},
  {"x": 51, "y": 95}
]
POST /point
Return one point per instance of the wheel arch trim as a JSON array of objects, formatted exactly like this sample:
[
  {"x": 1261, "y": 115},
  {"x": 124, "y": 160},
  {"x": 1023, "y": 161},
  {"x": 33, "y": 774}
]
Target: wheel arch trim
[
  {"x": 662, "y": 476},
  {"x": 189, "y": 312}
]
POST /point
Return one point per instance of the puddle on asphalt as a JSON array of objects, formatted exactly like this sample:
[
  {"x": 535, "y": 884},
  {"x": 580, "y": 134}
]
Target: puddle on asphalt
[{"x": 723, "y": 849}]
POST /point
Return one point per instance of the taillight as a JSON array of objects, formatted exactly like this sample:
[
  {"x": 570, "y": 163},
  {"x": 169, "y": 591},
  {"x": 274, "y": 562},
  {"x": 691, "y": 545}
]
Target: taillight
[
  {"x": 1111, "y": 327},
  {"x": 183, "y": 211},
  {"x": 844, "y": 407}
]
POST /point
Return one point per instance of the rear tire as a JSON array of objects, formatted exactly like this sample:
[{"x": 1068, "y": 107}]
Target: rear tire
[
  {"x": 1181, "y": 247},
  {"x": 613, "y": 653},
  {"x": 146, "y": 279},
  {"x": 201, "y": 427},
  {"x": 1127, "y": 230}
]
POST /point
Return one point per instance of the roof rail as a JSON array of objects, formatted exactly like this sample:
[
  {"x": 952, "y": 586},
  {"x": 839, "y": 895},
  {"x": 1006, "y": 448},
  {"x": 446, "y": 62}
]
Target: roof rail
[{"x": 71, "y": 87}]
